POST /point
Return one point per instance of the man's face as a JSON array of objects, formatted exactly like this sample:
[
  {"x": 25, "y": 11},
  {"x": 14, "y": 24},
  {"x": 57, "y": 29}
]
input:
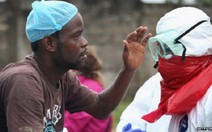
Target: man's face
[{"x": 72, "y": 46}]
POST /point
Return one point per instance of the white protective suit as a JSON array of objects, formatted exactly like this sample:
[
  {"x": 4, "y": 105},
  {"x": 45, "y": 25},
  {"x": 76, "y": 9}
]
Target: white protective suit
[
  {"x": 147, "y": 99},
  {"x": 198, "y": 42}
]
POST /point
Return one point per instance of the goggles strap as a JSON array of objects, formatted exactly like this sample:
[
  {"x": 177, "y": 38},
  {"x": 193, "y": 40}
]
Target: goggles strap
[
  {"x": 186, "y": 32},
  {"x": 156, "y": 65},
  {"x": 183, "y": 54}
]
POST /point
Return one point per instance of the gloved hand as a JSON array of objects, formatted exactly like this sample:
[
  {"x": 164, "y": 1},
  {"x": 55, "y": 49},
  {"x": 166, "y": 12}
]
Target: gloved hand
[{"x": 128, "y": 128}]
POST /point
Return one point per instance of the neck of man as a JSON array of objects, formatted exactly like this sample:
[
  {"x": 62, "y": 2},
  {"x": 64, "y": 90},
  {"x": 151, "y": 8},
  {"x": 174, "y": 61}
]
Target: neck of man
[{"x": 49, "y": 69}]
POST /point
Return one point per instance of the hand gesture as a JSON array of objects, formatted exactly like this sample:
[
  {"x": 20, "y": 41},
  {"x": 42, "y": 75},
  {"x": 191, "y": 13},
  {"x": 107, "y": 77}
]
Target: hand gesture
[{"x": 135, "y": 47}]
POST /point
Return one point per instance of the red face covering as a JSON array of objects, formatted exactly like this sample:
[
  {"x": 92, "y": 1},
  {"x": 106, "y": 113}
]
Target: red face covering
[
  {"x": 182, "y": 84},
  {"x": 176, "y": 73}
]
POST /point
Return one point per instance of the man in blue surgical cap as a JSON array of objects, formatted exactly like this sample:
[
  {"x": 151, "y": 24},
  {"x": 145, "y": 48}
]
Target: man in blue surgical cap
[{"x": 35, "y": 92}]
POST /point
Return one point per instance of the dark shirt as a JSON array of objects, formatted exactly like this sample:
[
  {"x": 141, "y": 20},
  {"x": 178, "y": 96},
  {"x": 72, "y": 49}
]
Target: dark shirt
[{"x": 29, "y": 102}]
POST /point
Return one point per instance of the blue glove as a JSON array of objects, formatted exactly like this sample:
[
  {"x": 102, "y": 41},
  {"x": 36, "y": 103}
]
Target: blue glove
[{"x": 128, "y": 128}]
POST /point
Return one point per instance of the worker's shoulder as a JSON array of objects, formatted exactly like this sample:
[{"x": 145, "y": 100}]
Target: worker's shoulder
[{"x": 19, "y": 68}]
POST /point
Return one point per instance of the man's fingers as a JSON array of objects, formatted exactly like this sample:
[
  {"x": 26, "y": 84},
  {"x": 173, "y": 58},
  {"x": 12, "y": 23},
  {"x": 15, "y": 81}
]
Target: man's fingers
[
  {"x": 138, "y": 36},
  {"x": 132, "y": 37},
  {"x": 146, "y": 38},
  {"x": 140, "y": 33}
]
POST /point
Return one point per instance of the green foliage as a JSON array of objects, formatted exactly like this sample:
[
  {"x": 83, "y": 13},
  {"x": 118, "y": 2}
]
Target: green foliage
[{"x": 118, "y": 111}]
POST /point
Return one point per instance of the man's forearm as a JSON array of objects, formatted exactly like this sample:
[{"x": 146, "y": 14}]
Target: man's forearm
[{"x": 113, "y": 95}]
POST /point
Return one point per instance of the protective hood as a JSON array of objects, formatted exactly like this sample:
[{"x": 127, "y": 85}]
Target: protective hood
[{"x": 198, "y": 41}]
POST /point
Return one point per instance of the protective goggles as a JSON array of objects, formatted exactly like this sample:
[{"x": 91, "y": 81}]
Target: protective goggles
[
  {"x": 167, "y": 44},
  {"x": 163, "y": 45}
]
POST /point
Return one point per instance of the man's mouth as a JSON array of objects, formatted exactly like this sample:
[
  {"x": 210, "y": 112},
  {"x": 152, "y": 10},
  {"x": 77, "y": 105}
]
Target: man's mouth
[{"x": 84, "y": 54}]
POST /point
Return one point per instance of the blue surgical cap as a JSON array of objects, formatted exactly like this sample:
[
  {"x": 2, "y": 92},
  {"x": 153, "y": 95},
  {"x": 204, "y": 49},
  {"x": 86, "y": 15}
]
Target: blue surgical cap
[{"x": 47, "y": 17}]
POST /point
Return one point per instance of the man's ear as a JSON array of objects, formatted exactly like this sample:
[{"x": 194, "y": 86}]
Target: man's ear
[{"x": 49, "y": 43}]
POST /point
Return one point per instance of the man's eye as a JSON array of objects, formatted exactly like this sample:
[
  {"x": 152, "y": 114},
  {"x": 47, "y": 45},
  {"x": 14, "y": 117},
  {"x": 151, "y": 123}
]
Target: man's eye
[{"x": 77, "y": 35}]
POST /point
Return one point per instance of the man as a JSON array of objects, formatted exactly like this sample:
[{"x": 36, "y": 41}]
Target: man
[
  {"x": 35, "y": 92},
  {"x": 179, "y": 97}
]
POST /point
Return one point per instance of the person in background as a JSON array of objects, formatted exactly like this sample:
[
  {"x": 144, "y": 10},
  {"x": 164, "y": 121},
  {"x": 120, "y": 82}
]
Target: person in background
[
  {"x": 179, "y": 97},
  {"x": 36, "y": 91},
  {"x": 91, "y": 76}
]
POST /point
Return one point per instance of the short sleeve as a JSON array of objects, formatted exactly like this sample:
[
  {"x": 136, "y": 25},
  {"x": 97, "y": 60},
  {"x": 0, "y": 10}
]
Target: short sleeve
[{"x": 24, "y": 103}]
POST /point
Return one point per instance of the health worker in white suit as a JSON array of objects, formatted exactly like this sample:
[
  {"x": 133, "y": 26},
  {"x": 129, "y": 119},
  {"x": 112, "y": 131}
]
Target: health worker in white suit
[{"x": 179, "y": 97}]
